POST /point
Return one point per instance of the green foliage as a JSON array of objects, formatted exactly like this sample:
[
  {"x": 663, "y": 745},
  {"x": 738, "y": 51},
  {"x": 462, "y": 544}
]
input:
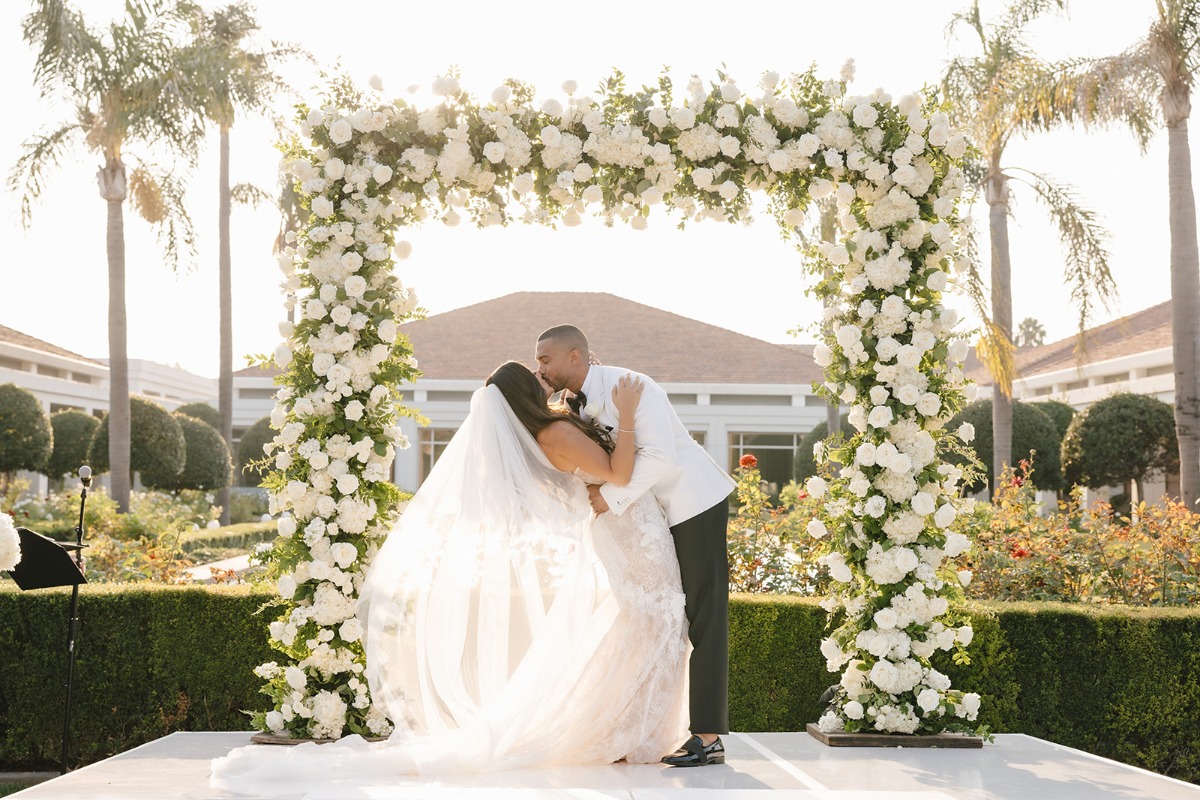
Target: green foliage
[
  {"x": 73, "y": 432},
  {"x": 25, "y": 434},
  {"x": 201, "y": 411},
  {"x": 151, "y": 660},
  {"x": 1077, "y": 554},
  {"x": 1124, "y": 437},
  {"x": 1033, "y": 432},
  {"x": 1060, "y": 413},
  {"x": 769, "y": 549},
  {"x": 206, "y": 465},
  {"x": 1113, "y": 681},
  {"x": 150, "y": 513},
  {"x": 250, "y": 449},
  {"x": 805, "y": 466},
  {"x": 156, "y": 443},
  {"x": 242, "y": 536}
]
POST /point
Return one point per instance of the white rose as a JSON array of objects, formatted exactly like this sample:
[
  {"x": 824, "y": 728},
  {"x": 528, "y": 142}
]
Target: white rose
[
  {"x": 356, "y": 285},
  {"x": 936, "y": 280},
  {"x": 322, "y": 206},
  {"x": 956, "y": 544},
  {"x": 865, "y": 115},
  {"x": 966, "y": 431},
  {"x": 351, "y": 630},
  {"x": 340, "y": 132},
  {"x": 287, "y": 526},
  {"x": 929, "y": 699},
  {"x": 296, "y": 678},
  {"x": 382, "y": 174},
  {"x": 964, "y": 577},
  {"x": 348, "y": 483},
  {"x": 286, "y": 586},
  {"x": 853, "y": 710},
  {"x": 388, "y": 330},
  {"x": 283, "y": 355},
  {"x": 730, "y": 92},
  {"x": 552, "y": 108},
  {"x": 945, "y": 515},
  {"x": 816, "y": 486},
  {"x": 880, "y": 417},
  {"x": 817, "y": 529},
  {"x": 970, "y": 705},
  {"x": 523, "y": 183},
  {"x": 570, "y": 87},
  {"x": 683, "y": 118},
  {"x": 274, "y": 721},
  {"x": 929, "y": 404},
  {"x": 494, "y": 152}
]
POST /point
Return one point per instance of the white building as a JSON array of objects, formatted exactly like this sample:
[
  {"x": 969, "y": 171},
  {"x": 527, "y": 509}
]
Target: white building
[
  {"x": 1130, "y": 354},
  {"x": 61, "y": 380},
  {"x": 735, "y": 393}
]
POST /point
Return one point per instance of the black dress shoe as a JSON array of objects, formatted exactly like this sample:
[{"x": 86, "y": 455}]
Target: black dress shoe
[{"x": 695, "y": 753}]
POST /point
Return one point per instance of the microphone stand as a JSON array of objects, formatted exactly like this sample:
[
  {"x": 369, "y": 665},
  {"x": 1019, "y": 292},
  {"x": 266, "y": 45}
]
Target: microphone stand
[{"x": 85, "y": 477}]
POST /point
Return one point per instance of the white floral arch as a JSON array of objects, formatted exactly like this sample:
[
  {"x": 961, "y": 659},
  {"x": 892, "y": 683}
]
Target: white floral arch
[{"x": 366, "y": 166}]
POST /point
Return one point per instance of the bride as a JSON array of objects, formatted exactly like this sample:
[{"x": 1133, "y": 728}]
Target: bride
[{"x": 506, "y": 625}]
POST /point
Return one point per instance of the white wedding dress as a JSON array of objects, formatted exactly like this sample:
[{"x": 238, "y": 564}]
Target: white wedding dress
[{"x": 506, "y": 627}]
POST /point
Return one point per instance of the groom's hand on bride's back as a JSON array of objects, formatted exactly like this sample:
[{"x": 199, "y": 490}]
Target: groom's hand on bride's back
[{"x": 597, "y": 499}]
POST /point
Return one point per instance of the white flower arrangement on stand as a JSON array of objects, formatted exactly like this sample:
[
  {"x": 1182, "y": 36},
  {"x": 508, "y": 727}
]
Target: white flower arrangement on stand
[
  {"x": 10, "y": 543},
  {"x": 366, "y": 165}
]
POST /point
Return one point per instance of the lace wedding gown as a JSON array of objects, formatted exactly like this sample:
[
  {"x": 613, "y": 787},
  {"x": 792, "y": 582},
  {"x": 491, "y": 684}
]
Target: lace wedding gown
[{"x": 507, "y": 627}]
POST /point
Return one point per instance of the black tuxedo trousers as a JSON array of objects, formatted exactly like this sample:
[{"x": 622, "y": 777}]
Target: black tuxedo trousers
[{"x": 700, "y": 545}]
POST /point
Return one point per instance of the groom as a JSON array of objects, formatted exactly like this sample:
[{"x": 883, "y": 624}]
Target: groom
[{"x": 694, "y": 493}]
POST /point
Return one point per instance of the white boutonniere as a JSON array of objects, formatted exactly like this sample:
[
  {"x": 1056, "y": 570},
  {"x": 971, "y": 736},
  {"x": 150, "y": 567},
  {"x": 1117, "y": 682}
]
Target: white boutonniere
[{"x": 591, "y": 411}]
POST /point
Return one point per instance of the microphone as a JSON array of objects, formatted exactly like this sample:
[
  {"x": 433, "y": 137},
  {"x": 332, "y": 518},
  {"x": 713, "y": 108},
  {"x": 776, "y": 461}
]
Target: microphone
[{"x": 85, "y": 475}]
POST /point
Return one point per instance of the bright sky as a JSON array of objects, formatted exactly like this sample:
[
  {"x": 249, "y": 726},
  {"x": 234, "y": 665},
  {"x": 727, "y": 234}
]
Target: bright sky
[{"x": 743, "y": 278}]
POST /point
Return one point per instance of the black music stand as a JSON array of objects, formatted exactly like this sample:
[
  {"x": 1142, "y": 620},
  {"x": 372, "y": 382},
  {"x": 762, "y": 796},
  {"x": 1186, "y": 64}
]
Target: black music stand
[{"x": 45, "y": 562}]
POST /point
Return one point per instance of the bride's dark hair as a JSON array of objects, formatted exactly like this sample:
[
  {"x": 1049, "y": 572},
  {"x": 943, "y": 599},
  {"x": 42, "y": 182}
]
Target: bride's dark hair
[{"x": 527, "y": 398}]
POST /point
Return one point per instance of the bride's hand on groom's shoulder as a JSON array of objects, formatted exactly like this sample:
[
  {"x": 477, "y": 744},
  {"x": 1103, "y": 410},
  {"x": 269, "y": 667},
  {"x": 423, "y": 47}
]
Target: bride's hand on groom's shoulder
[{"x": 627, "y": 393}]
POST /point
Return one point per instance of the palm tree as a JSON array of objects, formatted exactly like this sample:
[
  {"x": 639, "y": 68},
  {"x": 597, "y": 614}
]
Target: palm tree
[
  {"x": 234, "y": 79},
  {"x": 1164, "y": 64},
  {"x": 1031, "y": 333},
  {"x": 127, "y": 95},
  {"x": 1003, "y": 92}
]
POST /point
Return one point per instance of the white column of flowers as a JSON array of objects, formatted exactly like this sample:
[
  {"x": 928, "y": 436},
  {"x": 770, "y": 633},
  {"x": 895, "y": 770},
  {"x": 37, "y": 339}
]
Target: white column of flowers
[{"x": 365, "y": 165}]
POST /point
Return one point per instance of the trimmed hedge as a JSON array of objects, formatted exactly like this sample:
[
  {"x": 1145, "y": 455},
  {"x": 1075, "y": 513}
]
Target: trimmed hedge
[
  {"x": 244, "y": 534},
  {"x": 1123, "y": 683}
]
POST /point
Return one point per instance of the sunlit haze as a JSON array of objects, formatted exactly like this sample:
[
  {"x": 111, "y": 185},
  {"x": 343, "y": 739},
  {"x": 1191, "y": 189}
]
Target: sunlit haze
[{"x": 743, "y": 278}]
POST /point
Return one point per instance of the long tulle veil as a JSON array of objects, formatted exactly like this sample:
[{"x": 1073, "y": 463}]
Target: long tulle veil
[{"x": 481, "y": 610}]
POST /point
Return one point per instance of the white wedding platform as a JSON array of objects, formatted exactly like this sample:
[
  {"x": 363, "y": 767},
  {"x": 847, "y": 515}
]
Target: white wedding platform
[{"x": 759, "y": 766}]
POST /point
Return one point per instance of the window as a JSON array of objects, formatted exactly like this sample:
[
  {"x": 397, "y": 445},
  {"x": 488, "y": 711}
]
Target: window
[
  {"x": 13, "y": 363},
  {"x": 775, "y": 453},
  {"x": 1123, "y": 376},
  {"x": 1162, "y": 369},
  {"x": 79, "y": 377},
  {"x": 53, "y": 372},
  {"x": 433, "y": 442},
  {"x": 682, "y": 399},
  {"x": 699, "y": 436},
  {"x": 1073, "y": 385},
  {"x": 257, "y": 393}
]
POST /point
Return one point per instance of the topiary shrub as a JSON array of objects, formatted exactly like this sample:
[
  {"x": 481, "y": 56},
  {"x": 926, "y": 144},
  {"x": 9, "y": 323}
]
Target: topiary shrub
[
  {"x": 201, "y": 411},
  {"x": 1124, "y": 437},
  {"x": 1033, "y": 432},
  {"x": 26, "y": 438},
  {"x": 250, "y": 448},
  {"x": 1060, "y": 413},
  {"x": 804, "y": 466},
  {"x": 207, "y": 464},
  {"x": 73, "y": 432},
  {"x": 156, "y": 443}
]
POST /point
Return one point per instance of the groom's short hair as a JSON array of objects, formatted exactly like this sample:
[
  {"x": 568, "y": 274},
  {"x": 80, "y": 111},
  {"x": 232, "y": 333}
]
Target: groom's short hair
[{"x": 569, "y": 335}]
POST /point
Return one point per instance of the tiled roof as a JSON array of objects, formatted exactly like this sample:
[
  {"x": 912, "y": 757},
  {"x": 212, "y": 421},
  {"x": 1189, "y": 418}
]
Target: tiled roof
[
  {"x": 25, "y": 340},
  {"x": 258, "y": 372},
  {"x": 468, "y": 343},
  {"x": 1149, "y": 329}
]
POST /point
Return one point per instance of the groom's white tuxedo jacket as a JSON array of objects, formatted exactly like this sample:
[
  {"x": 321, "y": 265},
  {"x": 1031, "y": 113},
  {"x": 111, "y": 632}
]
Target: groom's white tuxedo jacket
[{"x": 670, "y": 463}]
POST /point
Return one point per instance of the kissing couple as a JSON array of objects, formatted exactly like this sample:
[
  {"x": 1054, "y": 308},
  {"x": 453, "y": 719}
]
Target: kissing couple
[{"x": 556, "y": 592}]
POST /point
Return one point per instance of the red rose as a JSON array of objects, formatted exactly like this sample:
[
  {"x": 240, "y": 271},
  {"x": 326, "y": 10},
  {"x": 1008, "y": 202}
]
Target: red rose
[{"x": 748, "y": 461}]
